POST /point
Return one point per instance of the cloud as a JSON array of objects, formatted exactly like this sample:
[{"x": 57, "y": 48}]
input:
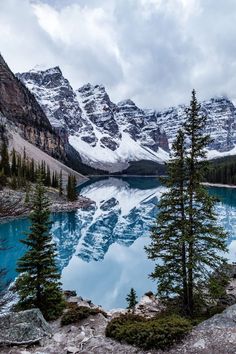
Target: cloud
[{"x": 153, "y": 51}]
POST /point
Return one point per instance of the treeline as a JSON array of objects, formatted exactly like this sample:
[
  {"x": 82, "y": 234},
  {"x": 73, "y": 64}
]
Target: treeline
[
  {"x": 222, "y": 171},
  {"x": 19, "y": 171}
]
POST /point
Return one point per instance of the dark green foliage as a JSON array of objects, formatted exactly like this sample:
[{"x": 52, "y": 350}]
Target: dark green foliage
[
  {"x": 3, "y": 179},
  {"x": 222, "y": 170},
  {"x": 24, "y": 170},
  {"x": 71, "y": 188},
  {"x": 38, "y": 283},
  {"x": 186, "y": 241},
  {"x": 131, "y": 300},
  {"x": 4, "y": 162},
  {"x": 48, "y": 177},
  {"x": 78, "y": 313},
  {"x": 141, "y": 168},
  {"x": 158, "y": 333},
  {"x": 218, "y": 282},
  {"x": 13, "y": 163},
  {"x": 55, "y": 181},
  {"x": 60, "y": 187}
]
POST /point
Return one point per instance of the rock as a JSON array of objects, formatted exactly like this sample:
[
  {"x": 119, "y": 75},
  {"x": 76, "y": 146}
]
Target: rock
[
  {"x": 149, "y": 305},
  {"x": 69, "y": 293},
  {"x": 25, "y": 327},
  {"x": 72, "y": 350},
  {"x": 59, "y": 337},
  {"x": 217, "y": 335}
]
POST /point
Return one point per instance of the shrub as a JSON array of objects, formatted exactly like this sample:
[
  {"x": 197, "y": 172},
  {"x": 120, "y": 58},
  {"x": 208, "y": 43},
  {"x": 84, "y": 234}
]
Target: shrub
[
  {"x": 158, "y": 333},
  {"x": 77, "y": 313}
]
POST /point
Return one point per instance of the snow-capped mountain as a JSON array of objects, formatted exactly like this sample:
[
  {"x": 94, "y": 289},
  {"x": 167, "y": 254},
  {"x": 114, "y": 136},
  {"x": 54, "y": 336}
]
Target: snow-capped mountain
[
  {"x": 111, "y": 136},
  {"x": 221, "y": 122},
  {"x": 107, "y": 136}
]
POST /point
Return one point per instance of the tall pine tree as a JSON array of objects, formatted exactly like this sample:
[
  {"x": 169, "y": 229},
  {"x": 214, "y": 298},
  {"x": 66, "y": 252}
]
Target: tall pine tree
[
  {"x": 38, "y": 283},
  {"x": 186, "y": 240},
  {"x": 71, "y": 188},
  {"x": 4, "y": 163},
  {"x": 60, "y": 184}
]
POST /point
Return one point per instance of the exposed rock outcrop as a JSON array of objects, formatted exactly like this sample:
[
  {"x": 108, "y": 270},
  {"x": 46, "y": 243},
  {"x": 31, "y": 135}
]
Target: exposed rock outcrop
[
  {"x": 20, "y": 109},
  {"x": 216, "y": 335},
  {"x": 25, "y": 327},
  {"x": 18, "y": 105}
]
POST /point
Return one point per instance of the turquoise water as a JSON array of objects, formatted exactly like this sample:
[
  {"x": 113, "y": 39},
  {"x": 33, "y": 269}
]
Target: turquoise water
[{"x": 101, "y": 249}]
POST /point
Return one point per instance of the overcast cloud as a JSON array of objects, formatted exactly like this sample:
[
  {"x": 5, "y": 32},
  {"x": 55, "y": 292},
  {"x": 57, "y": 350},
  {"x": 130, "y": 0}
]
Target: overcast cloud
[{"x": 152, "y": 51}]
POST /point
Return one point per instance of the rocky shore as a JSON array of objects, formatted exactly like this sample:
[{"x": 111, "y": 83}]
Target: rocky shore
[
  {"x": 13, "y": 204},
  {"x": 27, "y": 332}
]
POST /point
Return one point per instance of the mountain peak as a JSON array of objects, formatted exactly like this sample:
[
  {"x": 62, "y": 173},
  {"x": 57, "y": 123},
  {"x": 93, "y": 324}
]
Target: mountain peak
[
  {"x": 45, "y": 70},
  {"x": 127, "y": 102}
]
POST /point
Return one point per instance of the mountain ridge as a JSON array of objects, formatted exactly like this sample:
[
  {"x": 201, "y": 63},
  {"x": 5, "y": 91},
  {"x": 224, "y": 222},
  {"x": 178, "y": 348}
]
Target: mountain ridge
[{"x": 113, "y": 137}]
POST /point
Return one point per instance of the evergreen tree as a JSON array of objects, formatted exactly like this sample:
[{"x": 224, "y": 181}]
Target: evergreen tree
[
  {"x": 27, "y": 193},
  {"x": 14, "y": 183},
  {"x": 3, "y": 179},
  {"x": 13, "y": 163},
  {"x": 71, "y": 188},
  {"x": 48, "y": 177},
  {"x": 5, "y": 164},
  {"x": 186, "y": 241},
  {"x": 131, "y": 300},
  {"x": 60, "y": 184},
  {"x": 206, "y": 241},
  {"x": 38, "y": 283},
  {"x": 32, "y": 171},
  {"x": 168, "y": 235}
]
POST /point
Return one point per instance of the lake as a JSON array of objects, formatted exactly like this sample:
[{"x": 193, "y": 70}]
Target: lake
[{"x": 101, "y": 249}]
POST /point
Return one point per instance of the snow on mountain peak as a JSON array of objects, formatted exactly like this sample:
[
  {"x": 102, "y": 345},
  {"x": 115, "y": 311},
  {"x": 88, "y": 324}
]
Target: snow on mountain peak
[{"x": 109, "y": 136}]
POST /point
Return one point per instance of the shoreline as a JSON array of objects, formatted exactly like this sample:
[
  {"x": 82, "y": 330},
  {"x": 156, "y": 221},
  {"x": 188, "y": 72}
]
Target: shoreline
[
  {"x": 219, "y": 185},
  {"x": 14, "y": 206},
  {"x": 55, "y": 208}
]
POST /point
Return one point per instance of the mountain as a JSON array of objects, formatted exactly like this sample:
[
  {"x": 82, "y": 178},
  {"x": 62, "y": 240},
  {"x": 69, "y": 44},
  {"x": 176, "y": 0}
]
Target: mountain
[
  {"x": 122, "y": 137},
  {"x": 107, "y": 136},
  {"x": 28, "y": 125},
  {"x": 221, "y": 123}
]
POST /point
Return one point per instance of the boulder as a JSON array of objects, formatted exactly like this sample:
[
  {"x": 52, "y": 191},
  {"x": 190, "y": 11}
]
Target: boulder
[
  {"x": 149, "y": 305},
  {"x": 25, "y": 327}
]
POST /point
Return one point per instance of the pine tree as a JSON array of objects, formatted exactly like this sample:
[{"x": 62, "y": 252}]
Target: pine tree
[
  {"x": 168, "y": 235},
  {"x": 206, "y": 241},
  {"x": 27, "y": 193},
  {"x": 38, "y": 283},
  {"x": 48, "y": 177},
  {"x": 186, "y": 241},
  {"x": 5, "y": 164},
  {"x": 13, "y": 163},
  {"x": 14, "y": 183},
  {"x": 131, "y": 300},
  {"x": 60, "y": 184},
  {"x": 71, "y": 188}
]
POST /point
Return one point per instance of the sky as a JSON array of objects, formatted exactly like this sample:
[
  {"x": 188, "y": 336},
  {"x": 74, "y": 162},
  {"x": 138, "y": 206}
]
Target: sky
[{"x": 152, "y": 51}]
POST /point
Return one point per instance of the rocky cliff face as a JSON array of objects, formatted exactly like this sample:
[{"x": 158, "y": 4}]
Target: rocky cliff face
[
  {"x": 20, "y": 107},
  {"x": 107, "y": 136}
]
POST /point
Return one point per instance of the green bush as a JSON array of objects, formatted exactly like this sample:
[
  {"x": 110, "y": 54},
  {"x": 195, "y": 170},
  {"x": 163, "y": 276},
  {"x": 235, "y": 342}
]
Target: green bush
[
  {"x": 77, "y": 313},
  {"x": 158, "y": 333}
]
